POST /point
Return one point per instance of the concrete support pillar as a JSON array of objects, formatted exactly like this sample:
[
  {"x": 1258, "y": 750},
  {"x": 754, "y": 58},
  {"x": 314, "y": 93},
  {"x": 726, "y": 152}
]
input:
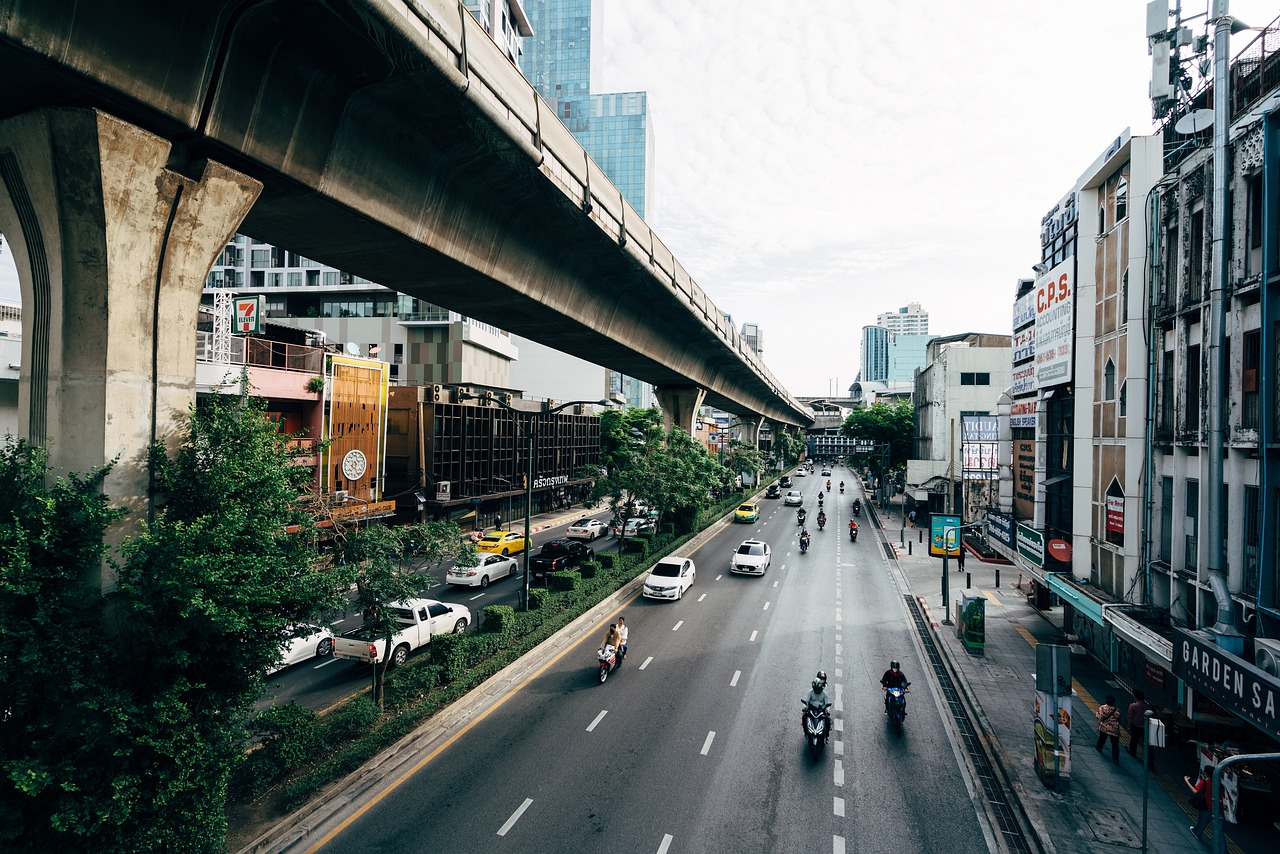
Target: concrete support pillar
[
  {"x": 747, "y": 430},
  {"x": 680, "y": 405},
  {"x": 112, "y": 247}
]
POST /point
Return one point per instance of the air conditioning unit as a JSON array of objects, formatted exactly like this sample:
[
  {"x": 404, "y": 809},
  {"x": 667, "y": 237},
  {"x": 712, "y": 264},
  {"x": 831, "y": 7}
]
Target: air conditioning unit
[
  {"x": 1266, "y": 655},
  {"x": 340, "y": 496},
  {"x": 437, "y": 393}
]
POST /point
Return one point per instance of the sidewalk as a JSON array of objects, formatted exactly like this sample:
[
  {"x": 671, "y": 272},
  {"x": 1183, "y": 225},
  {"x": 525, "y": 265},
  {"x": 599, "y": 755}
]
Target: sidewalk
[{"x": 1102, "y": 803}]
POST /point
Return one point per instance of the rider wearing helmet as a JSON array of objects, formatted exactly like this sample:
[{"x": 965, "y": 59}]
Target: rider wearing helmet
[
  {"x": 818, "y": 695},
  {"x": 892, "y": 678}
]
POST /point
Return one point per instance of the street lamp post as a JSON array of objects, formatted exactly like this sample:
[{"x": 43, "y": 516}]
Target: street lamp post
[{"x": 530, "y": 431}]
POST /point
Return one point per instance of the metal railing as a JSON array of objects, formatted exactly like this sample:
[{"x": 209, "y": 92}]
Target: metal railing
[{"x": 262, "y": 353}]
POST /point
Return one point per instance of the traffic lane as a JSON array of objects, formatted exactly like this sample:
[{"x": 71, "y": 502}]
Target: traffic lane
[{"x": 537, "y": 737}]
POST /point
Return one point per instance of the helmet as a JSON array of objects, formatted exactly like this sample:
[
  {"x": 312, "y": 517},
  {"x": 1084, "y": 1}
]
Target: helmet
[
  {"x": 817, "y": 685},
  {"x": 822, "y": 675},
  {"x": 893, "y": 665}
]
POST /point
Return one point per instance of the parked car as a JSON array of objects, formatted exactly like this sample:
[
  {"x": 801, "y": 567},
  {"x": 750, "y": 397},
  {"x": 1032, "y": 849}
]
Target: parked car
[
  {"x": 502, "y": 542},
  {"x": 747, "y": 513},
  {"x": 669, "y": 578},
  {"x": 419, "y": 619},
  {"x": 751, "y": 558},
  {"x": 304, "y": 642},
  {"x": 587, "y": 529},
  {"x": 774, "y": 491},
  {"x": 638, "y": 525},
  {"x": 490, "y": 568},
  {"x": 794, "y": 499}
]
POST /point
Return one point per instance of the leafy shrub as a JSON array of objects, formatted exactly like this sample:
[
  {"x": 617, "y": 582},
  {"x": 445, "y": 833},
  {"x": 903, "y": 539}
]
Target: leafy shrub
[
  {"x": 352, "y": 719},
  {"x": 447, "y": 654},
  {"x": 406, "y": 685},
  {"x": 562, "y": 581},
  {"x": 537, "y": 598},
  {"x": 498, "y": 618},
  {"x": 636, "y": 545},
  {"x": 589, "y": 569}
]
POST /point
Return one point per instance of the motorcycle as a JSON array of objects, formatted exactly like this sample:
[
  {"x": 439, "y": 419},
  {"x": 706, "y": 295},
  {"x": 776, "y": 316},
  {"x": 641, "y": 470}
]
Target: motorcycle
[
  {"x": 896, "y": 703},
  {"x": 853, "y": 535},
  {"x": 842, "y": 489},
  {"x": 804, "y": 545},
  {"x": 800, "y": 516},
  {"x": 857, "y": 508},
  {"x": 828, "y": 486},
  {"x": 817, "y": 724},
  {"x": 822, "y": 522},
  {"x": 609, "y": 661}
]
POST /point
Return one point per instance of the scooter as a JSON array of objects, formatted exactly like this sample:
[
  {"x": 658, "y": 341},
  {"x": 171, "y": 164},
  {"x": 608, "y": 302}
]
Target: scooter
[
  {"x": 800, "y": 517},
  {"x": 817, "y": 724},
  {"x": 804, "y": 545},
  {"x": 896, "y": 703},
  {"x": 853, "y": 535},
  {"x": 608, "y": 659},
  {"x": 857, "y": 508},
  {"x": 822, "y": 522},
  {"x": 842, "y": 489}
]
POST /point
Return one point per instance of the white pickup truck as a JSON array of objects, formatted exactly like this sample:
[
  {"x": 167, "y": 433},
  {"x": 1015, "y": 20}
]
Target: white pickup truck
[{"x": 420, "y": 619}]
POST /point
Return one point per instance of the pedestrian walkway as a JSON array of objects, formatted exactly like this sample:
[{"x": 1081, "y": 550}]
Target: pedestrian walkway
[{"x": 1101, "y": 807}]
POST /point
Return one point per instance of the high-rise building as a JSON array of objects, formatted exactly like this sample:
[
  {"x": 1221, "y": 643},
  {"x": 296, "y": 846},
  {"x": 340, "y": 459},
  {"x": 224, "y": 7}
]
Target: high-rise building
[
  {"x": 505, "y": 21},
  {"x": 911, "y": 319},
  {"x": 875, "y": 354},
  {"x": 754, "y": 336}
]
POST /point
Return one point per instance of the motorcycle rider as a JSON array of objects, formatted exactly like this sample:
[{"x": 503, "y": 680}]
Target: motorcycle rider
[
  {"x": 822, "y": 519},
  {"x": 818, "y": 698},
  {"x": 853, "y": 530},
  {"x": 842, "y": 487},
  {"x": 623, "y": 634},
  {"x": 828, "y": 486},
  {"x": 893, "y": 678},
  {"x": 804, "y": 539},
  {"x": 820, "y": 499},
  {"x": 800, "y": 515},
  {"x": 857, "y": 507},
  {"x": 611, "y": 641}
]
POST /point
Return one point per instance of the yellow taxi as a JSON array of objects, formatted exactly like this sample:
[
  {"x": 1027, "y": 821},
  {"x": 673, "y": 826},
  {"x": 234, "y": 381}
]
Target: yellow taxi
[
  {"x": 502, "y": 543},
  {"x": 747, "y": 513}
]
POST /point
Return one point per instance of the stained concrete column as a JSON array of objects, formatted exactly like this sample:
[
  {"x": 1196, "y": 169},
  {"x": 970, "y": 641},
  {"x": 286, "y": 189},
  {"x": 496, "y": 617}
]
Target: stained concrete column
[
  {"x": 747, "y": 430},
  {"x": 112, "y": 247},
  {"x": 680, "y": 405}
]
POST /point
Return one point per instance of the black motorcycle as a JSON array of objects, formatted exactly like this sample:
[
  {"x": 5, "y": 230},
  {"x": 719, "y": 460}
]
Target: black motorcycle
[{"x": 817, "y": 724}]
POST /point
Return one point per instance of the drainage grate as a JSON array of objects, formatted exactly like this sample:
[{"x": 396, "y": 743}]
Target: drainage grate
[
  {"x": 997, "y": 798},
  {"x": 889, "y": 552}
]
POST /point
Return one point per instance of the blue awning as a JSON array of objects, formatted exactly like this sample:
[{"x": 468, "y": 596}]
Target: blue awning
[{"x": 1067, "y": 590}]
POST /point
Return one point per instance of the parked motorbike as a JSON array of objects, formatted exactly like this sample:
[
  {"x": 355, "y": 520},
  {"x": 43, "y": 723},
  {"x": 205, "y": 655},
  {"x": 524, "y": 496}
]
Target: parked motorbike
[
  {"x": 609, "y": 660},
  {"x": 896, "y": 704},
  {"x": 817, "y": 724}
]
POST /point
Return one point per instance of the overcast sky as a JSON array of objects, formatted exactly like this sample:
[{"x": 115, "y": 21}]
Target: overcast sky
[{"x": 817, "y": 164}]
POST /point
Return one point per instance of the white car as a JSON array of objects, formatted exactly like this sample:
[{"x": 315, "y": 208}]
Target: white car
[
  {"x": 638, "y": 526},
  {"x": 587, "y": 529},
  {"x": 794, "y": 498},
  {"x": 751, "y": 558},
  {"x": 670, "y": 578},
  {"x": 490, "y": 568},
  {"x": 304, "y": 642},
  {"x": 802, "y": 473}
]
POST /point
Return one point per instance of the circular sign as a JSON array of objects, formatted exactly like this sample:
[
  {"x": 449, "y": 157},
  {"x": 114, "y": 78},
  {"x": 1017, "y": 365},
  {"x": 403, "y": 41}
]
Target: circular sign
[
  {"x": 1060, "y": 549},
  {"x": 354, "y": 465}
]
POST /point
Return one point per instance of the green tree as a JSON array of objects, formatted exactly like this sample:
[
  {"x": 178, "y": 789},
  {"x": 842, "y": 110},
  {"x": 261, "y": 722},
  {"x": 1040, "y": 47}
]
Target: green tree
[
  {"x": 741, "y": 458},
  {"x": 787, "y": 447},
  {"x": 671, "y": 471},
  {"x": 884, "y": 422}
]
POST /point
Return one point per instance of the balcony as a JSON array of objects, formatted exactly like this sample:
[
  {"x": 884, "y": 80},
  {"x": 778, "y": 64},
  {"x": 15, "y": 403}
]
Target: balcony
[{"x": 259, "y": 352}]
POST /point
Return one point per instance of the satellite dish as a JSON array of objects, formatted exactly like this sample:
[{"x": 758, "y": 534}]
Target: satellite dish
[
  {"x": 1194, "y": 122},
  {"x": 352, "y": 348}
]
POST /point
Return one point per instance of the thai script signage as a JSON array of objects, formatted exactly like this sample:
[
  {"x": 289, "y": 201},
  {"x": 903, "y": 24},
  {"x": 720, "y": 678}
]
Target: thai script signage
[
  {"x": 1024, "y": 344},
  {"x": 1024, "y": 477},
  {"x": 556, "y": 480},
  {"x": 1115, "y": 513},
  {"x": 1031, "y": 544},
  {"x": 1024, "y": 310},
  {"x": 1023, "y": 414},
  {"x": 1000, "y": 527},
  {"x": 1232, "y": 683},
  {"x": 1024, "y": 380},
  {"x": 1055, "y": 324}
]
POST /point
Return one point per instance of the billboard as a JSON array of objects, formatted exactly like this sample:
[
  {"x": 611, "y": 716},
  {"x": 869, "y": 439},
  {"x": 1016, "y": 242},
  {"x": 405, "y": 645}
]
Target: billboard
[
  {"x": 944, "y": 536},
  {"x": 1024, "y": 379},
  {"x": 1024, "y": 345},
  {"x": 1024, "y": 309},
  {"x": 1023, "y": 414},
  {"x": 1000, "y": 527},
  {"x": 1055, "y": 324},
  {"x": 1024, "y": 477},
  {"x": 1031, "y": 544}
]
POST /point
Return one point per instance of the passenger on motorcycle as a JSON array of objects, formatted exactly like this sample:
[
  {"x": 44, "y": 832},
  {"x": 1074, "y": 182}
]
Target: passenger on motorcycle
[{"x": 804, "y": 539}]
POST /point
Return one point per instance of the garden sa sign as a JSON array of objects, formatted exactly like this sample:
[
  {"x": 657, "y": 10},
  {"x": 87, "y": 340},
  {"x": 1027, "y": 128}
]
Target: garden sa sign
[{"x": 1232, "y": 683}]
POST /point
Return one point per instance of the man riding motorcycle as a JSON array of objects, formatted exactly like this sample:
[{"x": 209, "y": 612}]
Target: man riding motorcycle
[
  {"x": 842, "y": 487},
  {"x": 800, "y": 516},
  {"x": 822, "y": 520},
  {"x": 893, "y": 678},
  {"x": 853, "y": 531},
  {"x": 804, "y": 540}
]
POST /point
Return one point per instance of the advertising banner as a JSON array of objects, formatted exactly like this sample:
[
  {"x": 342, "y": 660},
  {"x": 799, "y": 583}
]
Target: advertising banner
[
  {"x": 1023, "y": 414},
  {"x": 944, "y": 536},
  {"x": 1024, "y": 380},
  {"x": 1024, "y": 477},
  {"x": 1031, "y": 544},
  {"x": 1115, "y": 514},
  {"x": 1000, "y": 527},
  {"x": 979, "y": 461},
  {"x": 1053, "y": 717},
  {"x": 1232, "y": 683},
  {"x": 979, "y": 428},
  {"x": 1024, "y": 310},
  {"x": 1024, "y": 345},
  {"x": 1055, "y": 324}
]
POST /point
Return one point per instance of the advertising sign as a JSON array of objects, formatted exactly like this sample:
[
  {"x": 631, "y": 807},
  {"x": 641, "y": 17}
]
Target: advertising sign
[
  {"x": 1000, "y": 527},
  {"x": 979, "y": 461},
  {"x": 979, "y": 428},
  {"x": 1053, "y": 718},
  {"x": 248, "y": 315},
  {"x": 1024, "y": 344},
  {"x": 1024, "y": 310},
  {"x": 1024, "y": 379},
  {"x": 1055, "y": 324},
  {"x": 1023, "y": 414},
  {"x": 1232, "y": 683},
  {"x": 1031, "y": 544},
  {"x": 944, "y": 536},
  {"x": 1024, "y": 477},
  {"x": 1115, "y": 514}
]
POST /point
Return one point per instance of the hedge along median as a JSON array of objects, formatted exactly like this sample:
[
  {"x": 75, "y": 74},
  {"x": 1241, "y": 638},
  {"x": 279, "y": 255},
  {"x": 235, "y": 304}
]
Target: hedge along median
[{"x": 302, "y": 752}]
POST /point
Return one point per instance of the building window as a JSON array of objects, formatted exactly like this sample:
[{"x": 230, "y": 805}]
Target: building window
[
  {"x": 1249, "y": 385},
  {"x": 1192, "y": 419},
  {"x": 1166, "y": 518},
  {"x": 1252, "y": 540},
  {"x": 1253, "y": 254},
  {"x": 1124, "y": 296},
  {"x": 1166, "y": 393},
  {"x": 969, "y": 378},
  {"x": 1122, "y": 199},
  {"x": 1195, "y": 275},
  {"x": 260, "y": 258},
  {"x": 1190, "y": 554},
  {"x": 1124, "y": 399},
  {"x": 1109, "y": 381}
]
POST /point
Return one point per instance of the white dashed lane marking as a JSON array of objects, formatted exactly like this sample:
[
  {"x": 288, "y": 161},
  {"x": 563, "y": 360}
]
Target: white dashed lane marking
[
  {"x": 515, "y": 816},
  {"x": 733, "y": 683},
  {"x": 598, "y": 719},
  {"x": 706, "y": 745}
]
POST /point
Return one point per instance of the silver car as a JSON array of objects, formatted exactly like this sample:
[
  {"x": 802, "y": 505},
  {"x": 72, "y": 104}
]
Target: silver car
[{"x": 794, "y": 498}]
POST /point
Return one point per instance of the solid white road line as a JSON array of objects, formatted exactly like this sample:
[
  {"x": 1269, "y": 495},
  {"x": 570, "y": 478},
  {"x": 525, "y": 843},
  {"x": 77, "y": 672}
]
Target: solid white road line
[
  {"x": 837, "y": 807},
  {"x": 733, "y": 683},
  {"x": 477, "y": 596},
  {"x": 706, "y": 745},
  {"x": 753, "y": 636},
  {"x": 677, "y": 626},
  {"x": 598, "y": 719},
  {"x": 666, "y": 843},
  {"x": 326, "y": 662},
  {"x": 646, "y": 662},
  {"x": 515, "y": 816}
]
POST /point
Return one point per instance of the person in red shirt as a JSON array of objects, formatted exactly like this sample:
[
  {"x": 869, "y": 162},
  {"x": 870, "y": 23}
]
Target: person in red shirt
[{"x": 1201, "y": 799}]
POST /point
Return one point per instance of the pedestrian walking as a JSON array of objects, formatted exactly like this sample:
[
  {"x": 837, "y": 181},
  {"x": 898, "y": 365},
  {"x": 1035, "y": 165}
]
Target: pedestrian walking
[
  {"x": 1109, "y": 727},
  {"x": 1137, "y": 715},
  {"x": 1202, "y": 799},
  {"x": 912, "y": 517},
  {"x": 960, "y": 556},
  {"x": 497, "y": 521}
]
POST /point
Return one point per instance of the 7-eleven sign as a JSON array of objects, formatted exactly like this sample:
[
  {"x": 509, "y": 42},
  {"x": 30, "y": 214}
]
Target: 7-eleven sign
[{"x": 248, "y": 314}]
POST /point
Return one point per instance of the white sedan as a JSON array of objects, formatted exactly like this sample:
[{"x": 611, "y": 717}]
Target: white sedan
[
  {"x": 302, "y": 643},
  {"x": 490, "y": 568},
  {"x": 586, "y": 529},
  {"x": 751, "y": 558},
  {"x": 670, "y": 578}
]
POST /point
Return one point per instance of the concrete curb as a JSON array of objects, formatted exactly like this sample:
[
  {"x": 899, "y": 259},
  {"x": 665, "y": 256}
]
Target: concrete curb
[{"x": 344, "y": 798}]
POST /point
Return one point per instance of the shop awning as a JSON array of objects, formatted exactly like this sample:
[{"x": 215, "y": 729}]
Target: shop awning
[
  {"x": 1068, "y": 591},
  {"x": 1146, "y": 640}
]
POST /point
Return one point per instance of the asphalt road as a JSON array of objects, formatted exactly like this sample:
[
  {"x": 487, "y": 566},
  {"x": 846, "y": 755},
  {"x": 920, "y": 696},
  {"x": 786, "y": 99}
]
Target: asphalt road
[
  {"x": 319, "y": 683},
  {"x": 695, "y": 744}
]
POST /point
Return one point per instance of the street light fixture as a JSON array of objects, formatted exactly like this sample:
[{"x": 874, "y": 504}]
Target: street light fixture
[{"x": 530, "y": 431}]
